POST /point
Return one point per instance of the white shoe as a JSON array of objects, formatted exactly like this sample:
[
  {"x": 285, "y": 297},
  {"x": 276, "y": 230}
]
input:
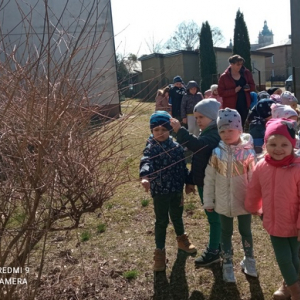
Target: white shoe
[
  {"x": 228, "y": 275},
  {"x": 248, "y": 265}
]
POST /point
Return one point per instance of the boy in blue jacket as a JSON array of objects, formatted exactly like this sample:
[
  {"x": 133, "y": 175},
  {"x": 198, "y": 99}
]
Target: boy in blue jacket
[{"x": 163, "y": 171}]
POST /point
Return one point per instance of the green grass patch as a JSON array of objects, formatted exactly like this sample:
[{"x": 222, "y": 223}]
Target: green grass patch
[
  {"x": 132, "y": 274},
  {"x": 101, "y": 228},
  {"x": 189, "y": 206},
  {"x": 85, "y": 236},
  {"x": 145, "y": 202}
]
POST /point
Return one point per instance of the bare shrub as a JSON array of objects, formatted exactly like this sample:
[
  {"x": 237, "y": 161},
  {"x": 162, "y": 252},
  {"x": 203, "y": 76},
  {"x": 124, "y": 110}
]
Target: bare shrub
[{"x": 55, "y": 166}]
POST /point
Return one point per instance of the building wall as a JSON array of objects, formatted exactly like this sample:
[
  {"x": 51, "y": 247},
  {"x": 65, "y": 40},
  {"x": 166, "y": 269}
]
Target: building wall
[
  {"x": 280, "y": 64},
  {"x": 94, "y": 56}
]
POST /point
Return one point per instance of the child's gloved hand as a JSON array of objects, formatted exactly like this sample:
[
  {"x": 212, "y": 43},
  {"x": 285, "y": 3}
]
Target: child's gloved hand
[
  {"x": 189, "y": 188},
  {"x": 146, "y": 184}
]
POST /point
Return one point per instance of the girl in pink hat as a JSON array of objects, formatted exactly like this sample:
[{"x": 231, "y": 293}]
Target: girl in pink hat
[{"x": 274, "y": 192}]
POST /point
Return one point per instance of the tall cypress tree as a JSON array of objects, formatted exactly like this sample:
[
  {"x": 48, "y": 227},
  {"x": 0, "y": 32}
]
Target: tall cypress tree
[
  {"x": 241, "y": 42},
  {"x": 208, "y": 66}
]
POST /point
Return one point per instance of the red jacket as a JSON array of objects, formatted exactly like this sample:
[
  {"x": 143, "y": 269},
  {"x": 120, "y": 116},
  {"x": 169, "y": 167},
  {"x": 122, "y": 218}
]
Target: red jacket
[{"x": 226, "y": 87}]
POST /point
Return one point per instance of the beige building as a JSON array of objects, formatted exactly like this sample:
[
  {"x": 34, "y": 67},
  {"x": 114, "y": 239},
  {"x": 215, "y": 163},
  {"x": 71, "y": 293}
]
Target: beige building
[
  {"x": 279, "y": 65},
  {"x": 159, "y": 69}
]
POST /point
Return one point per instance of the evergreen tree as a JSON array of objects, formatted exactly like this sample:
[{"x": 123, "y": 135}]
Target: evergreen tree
[
  {"x": 208, "y": 66},
  {"x": 241, "y": 43}
]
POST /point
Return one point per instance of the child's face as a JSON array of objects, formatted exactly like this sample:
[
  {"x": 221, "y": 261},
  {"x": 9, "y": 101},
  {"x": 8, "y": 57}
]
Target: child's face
[
  {"x": 293, "y": 105},
  {"x": 295, "y": 118},
  {"x": 278, "y": 147},
  {"x": 215, "y": 92},
  {"x": 202, "y": 121},
  {"x": 193, "y": 90},
  {"x": 230, "y": 136},
  {"x": 160, "y": 133},
  {"x": 278, "y": 92},
  {"x": 178, "y": 84}
]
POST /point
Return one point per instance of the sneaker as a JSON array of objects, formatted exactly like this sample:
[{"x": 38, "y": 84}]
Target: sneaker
[
  {"x": 248, "y": 266},
  {"x": 207, "y": 258},
  {"x": 228, "y": 275}
]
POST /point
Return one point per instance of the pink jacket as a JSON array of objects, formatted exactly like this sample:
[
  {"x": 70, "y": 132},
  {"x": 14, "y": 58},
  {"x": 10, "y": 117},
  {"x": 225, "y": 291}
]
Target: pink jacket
[
  {"x": 277, "y": 192},
  {"x": 162, "y": 103}
]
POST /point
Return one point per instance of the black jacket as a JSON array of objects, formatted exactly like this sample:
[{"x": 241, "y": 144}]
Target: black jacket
[
  {"x": 175, "y": 98},
  {"x": 202, "y": 148}
]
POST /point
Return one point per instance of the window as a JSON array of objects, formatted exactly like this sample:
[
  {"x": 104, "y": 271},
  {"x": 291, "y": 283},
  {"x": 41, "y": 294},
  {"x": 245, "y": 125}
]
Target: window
[{"x": 272, "y": 59}]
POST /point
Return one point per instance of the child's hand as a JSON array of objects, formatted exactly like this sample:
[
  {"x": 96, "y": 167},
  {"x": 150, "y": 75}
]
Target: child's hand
[
  {"x": 184, "y": 121},
  {"x": 209, "y": 209},
  {"x": 189, "y": 188},
  {"x": 175, "y": 124},
  {"x": 146, "y": 184}
]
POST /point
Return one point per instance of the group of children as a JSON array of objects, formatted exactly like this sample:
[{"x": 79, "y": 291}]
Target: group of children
[
  {"x": 179, "y": 100},
  {"x": 230, "y": 184}
]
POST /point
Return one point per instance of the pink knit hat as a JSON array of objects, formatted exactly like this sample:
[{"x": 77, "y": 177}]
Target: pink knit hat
[
  {"x": 283, "y": 127},
  {"x": 282, "y": 111}
]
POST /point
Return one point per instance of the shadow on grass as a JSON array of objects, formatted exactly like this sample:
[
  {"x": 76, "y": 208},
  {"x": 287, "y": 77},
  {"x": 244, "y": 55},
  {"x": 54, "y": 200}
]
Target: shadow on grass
[
  {"x": 178, "y": 288},
  {"x": 255, "y": 288},
  {"x": 220, "y": 289}
]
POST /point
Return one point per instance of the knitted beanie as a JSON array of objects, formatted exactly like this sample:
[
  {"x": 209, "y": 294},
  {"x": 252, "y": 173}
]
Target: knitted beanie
[
  {"x": 229, "y": 119},
  {"x": 283, "y": 127},
  {"x": 213, "y": 87},
  {"x": 287, "y": 98},
  {"x": 276, "y": 98},
  {"x": 263, "y": 95},
  {"x": 177, "y": 79},
  {"x": 160, "y": 118},
  {"x": 282, "y": 111},
  {"x": 208, "y": 107},
  {"x": 263, "y": 108}
]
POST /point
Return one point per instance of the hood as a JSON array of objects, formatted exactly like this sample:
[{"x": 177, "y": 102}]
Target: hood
[{"x": 192, "y": 84}]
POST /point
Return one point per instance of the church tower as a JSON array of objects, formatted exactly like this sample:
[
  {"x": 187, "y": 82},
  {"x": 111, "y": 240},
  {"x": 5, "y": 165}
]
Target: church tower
[{"x": 265, "y": 36}]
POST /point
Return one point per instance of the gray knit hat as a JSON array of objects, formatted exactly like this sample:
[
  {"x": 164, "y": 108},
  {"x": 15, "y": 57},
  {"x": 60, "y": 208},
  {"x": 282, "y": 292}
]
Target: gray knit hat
[
  {"x": 229, "y": 119},
  {"x": 208, "y": 107}
]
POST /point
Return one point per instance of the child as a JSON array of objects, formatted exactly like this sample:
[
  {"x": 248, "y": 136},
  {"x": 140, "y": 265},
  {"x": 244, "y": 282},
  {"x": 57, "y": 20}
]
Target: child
[
  {"x": 274, "y": 91},
  {"x": 257, "y": 119},
  {"x": 162, "y": 100},
  {"x": 215, "y": 94},
  {"x": 206, "y": 113},
  {"x": 189, "y": 100},
  {"x": 207, "y": 94},
  {"x": 287, "y": 98},
  {"x": 225, "y": 183},
  {"x": 283, "y": 111},
  {"x": 176, "y": 93},
  {"x": 163, "y": 171},
  {"x": 278, "y": 199}
]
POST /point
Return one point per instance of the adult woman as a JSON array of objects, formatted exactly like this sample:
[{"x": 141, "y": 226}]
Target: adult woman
[{"x": 235, "y": 85}]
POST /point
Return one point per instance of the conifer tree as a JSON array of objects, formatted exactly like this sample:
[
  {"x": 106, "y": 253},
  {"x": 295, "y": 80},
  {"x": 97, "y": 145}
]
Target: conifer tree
[
  {"x": 241, "y": 43},
  {"x": 208, "y": 66}
]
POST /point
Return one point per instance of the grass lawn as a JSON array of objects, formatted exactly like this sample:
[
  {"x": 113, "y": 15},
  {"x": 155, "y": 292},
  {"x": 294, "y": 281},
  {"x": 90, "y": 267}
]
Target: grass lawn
[{"x": 111, "y": 255}]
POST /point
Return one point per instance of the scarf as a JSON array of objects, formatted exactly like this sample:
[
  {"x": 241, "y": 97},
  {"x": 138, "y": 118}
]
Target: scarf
[{"x": 288, "y": 160}]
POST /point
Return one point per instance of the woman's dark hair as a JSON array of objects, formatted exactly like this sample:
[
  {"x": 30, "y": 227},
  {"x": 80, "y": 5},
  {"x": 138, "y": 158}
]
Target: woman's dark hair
[{"x": 235, "y": 58}]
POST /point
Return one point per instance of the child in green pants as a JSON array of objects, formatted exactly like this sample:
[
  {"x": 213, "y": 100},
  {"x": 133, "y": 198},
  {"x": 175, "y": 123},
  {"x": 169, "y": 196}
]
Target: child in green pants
[{"x": 205, "y": 112}]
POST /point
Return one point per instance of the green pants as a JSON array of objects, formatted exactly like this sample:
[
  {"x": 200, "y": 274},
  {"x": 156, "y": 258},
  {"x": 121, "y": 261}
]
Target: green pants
[
  {"x": 165, "y": 205},
  {"x": 286, "y": 251},
  {"x": 214, "y": 225},
  {"x": 244, "y": 222}
]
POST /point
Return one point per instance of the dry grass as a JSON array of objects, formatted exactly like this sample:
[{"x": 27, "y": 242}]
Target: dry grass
[{"x": 95, "y": 269}]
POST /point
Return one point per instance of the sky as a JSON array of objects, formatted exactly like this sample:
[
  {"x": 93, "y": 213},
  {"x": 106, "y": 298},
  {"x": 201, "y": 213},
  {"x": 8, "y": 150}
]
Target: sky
[{"x": 138, "y": 21}]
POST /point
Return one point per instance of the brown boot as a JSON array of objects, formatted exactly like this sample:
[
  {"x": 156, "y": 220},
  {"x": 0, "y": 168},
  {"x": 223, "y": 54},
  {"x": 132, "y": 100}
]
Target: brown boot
[
  {"x": 282, "y": 293},
  {"x": 159, "y": 260},
  {"x": 295, "y": 290},
  {"x": 185, "y": 244}
]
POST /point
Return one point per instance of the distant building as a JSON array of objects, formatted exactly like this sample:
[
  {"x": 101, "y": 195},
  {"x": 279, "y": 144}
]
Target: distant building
[
  {"x": 265, "y": 38},
  {"x": 279, "y": 65},
  {"x": 159, "y": 69}
]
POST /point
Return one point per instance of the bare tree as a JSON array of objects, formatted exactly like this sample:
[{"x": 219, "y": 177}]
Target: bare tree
[
  {"x": 186, "y": 37},
  {"x": 54, "y": 166},
  {"x": 154, "y": 46}
]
